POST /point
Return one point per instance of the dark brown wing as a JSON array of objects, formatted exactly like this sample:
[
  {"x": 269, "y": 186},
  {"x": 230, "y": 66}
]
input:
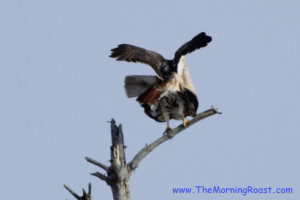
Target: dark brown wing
[
  {"x": 130, "y": 53},
  {"x": 200, "y": 40}
]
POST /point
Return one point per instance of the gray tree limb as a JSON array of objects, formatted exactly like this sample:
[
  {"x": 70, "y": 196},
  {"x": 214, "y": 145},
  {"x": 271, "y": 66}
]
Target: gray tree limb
[
  {"x": 99, "y": 164},
  {"x": 147, "y": 149},
  {"x": 85, "y": 196}
]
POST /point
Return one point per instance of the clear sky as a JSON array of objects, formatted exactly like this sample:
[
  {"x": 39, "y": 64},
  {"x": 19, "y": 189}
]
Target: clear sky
[{"x": 58, "y": 89}]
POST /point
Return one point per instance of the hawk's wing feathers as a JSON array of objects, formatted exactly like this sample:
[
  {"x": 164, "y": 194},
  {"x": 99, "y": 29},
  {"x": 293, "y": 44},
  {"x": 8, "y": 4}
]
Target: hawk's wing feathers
[
  {"x": 130, "y": 53},
  {"x": 200, "y": 40},
  {"x": 135, "y": 85}
]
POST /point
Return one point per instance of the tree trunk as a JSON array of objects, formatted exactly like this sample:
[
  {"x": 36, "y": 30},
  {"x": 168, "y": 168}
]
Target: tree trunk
[{"x": 118, "y": 173}]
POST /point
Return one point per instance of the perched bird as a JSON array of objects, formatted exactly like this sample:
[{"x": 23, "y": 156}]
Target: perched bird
[{"x": 170, "y": 94}]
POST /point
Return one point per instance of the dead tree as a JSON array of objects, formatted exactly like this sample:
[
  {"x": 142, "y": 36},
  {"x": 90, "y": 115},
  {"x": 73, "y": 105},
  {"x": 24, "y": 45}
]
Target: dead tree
[{"x": 118, "y": 173}]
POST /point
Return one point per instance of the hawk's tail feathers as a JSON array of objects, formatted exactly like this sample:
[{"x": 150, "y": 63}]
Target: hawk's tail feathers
[{"x": 135, "y": 85}]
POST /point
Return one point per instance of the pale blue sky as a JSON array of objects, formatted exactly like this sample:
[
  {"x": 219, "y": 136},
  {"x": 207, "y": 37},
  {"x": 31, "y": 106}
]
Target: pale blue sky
[{"x": 58, "y": 87}]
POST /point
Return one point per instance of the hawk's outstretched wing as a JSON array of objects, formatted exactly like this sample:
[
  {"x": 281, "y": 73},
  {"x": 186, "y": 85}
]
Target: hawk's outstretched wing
[
  {"x": 130, "y": 53},
  {"x": 170, "y": 95},
  {"x": 200, "y": 40}
]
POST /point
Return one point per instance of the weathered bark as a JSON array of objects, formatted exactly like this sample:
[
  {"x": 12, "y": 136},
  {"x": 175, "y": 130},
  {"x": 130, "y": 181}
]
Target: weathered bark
[
  {"x": 118, "y": 173},
  {"x": 118, "y": 170}
]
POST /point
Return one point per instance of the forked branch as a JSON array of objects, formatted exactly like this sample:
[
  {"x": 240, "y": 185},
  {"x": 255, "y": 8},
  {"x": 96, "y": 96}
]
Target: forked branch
[{"x": 85, "y": 196}]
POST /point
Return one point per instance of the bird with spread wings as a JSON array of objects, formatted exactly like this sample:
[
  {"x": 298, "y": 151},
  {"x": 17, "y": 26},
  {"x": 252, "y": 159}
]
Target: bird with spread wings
[{"x": 170, "y": 94}]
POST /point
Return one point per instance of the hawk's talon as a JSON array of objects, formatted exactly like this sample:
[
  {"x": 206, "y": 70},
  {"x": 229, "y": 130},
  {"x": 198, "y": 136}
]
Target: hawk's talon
[
  {"x": 168, "y": 132},
  {"x": 184, "y": 121}
]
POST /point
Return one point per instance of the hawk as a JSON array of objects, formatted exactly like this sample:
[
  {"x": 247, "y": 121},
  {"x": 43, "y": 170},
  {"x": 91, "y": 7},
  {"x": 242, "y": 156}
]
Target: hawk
[{"x": 170, "y": 94}]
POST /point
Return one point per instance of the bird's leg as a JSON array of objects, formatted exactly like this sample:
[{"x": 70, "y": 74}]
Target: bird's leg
[
  {"x": 184, "y": 121},
  {"x": 167, "y": 118},
  {"x": 166, "y": 114},
  {"x": 168, "y": 129}
]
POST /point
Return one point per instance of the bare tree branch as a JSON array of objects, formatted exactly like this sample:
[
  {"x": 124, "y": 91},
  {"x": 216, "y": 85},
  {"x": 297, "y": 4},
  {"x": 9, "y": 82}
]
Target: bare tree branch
[
  {"x": 147, "y": 149},
  {"x": 97, "y": 163},
  {"x": 71, "y": 191},
  {"x": 85, "y": 196},
  {"x": 101, "y": 176}
]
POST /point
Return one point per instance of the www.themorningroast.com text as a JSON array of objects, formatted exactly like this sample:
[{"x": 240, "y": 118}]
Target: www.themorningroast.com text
[{"x": 200, "y": 189}]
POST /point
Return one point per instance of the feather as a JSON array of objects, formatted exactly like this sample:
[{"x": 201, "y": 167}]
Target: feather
[
  {"x": 199, "y": 41},
  {"x": 136, "y": 85},
  {"x": 150, "y": 96},
  {"x": 130, "y": 53},
  {"x": 153, "y": 93}
]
